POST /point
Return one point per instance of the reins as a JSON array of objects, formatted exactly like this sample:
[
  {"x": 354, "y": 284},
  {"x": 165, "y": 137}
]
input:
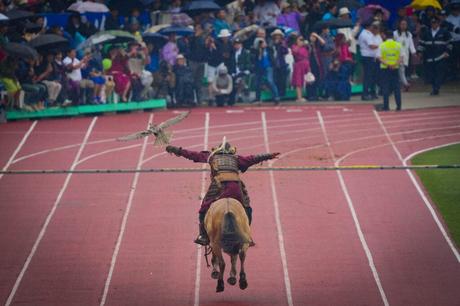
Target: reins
[{"x": 207, "y": 252}]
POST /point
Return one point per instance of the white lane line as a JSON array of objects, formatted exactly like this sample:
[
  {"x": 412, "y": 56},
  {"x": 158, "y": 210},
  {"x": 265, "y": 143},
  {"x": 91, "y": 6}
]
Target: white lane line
[
  {"x": 125, "y": 218},
  {"x": 419, "y": 189},
  {"x": 364, "y": 244},
  {"x": 202, "y": 193},
  {"x": 50, "y": 216},
  {"x": 19, "y": 147},
  {"x": 279, "y": 229}
]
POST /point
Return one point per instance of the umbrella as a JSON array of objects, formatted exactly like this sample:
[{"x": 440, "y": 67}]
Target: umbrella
[
  {"x": 423, "y": 4},
  {"x": 198, "y": 7},
  {"x": 181, "y": 20},
  {"x": 182, "y": 31},
  {"x": 112, "y": 36},
  {"x": 18, "y": 14},
  {"x": 157, "y": 39},
  {"x": 158, "y": 27},
  {"x": 351, "y": 4},
  {"x": 32, "y": 27},
  {"x": 368, "y": 12},
  {"x": 88, "y": 7},
  {"x": 3, "y": 18},
  {"x": 20, "y": 50},
  {"x": 333, "y": 23},
  {"x": 49, "y": 41}
]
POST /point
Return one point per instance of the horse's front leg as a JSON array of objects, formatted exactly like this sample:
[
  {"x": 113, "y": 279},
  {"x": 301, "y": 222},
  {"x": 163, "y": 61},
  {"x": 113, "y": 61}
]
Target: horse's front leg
[
  {"x": 232, "y": 279},
  {"x": 243, "y": 282}
]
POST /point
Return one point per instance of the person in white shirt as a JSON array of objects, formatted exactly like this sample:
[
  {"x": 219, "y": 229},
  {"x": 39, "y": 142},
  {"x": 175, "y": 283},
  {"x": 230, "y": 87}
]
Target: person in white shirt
[
  {"x": 454, "y": 19},
  {"x": 403, "y": 36},
  {"x": 350, "y": 33},
  {"x": 266, "y": 13},
  {"x": 369, "y": 41},
  {"x": 73, "y": 66}
]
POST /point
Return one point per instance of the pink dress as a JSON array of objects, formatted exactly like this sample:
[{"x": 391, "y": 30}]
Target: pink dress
[
  {"x": 301, "y": 65},
  {"x": 120, "y": 75}
]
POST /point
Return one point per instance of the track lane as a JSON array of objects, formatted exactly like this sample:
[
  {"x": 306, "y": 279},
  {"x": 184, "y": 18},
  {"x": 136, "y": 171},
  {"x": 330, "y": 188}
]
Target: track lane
[
  {"x": 328, "y": 265},
  {"x": 69, "y": 265},
  {"x": 415, "y": 263}
]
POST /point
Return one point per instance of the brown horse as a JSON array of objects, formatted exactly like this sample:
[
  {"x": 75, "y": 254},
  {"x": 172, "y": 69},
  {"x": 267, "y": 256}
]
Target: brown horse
[{"x": 228, "y": 229}]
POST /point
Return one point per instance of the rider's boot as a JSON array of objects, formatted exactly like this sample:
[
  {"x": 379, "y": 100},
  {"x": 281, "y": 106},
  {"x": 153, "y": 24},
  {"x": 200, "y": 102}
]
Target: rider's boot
[{"x": 203, "y": 236}]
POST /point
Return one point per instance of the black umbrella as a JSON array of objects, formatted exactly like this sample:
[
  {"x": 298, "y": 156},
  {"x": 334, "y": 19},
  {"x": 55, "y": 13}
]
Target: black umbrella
[
  {"x": 333, "y": 24},
  {"x": 49, "y": 41},
  {"x": 197, "y": 7},
  {"x": 20, "y": 50},
  {"x": 32, "y": 27},
  {"x": 157, "y": 39},
  {"x": 18, "y": 15},
  {"x": 182, "y": 31},
  {"x": 351, "y": 4}
]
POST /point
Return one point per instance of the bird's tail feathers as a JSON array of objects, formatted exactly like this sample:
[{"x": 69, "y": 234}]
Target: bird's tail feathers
[{"x": 163, "y": 139}]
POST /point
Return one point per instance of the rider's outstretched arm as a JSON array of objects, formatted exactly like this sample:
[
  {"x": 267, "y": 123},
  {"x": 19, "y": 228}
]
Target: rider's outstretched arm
[
  {"x": 245, "y": 162},
  {"x": 197, "y": 157}
]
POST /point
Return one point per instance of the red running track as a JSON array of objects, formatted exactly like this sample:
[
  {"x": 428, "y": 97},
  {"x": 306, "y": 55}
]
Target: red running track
[{"x": 323, "y": 238}]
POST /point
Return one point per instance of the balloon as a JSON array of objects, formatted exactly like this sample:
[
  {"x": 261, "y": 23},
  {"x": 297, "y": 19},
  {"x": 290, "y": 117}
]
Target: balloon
[{"x": 106, "y": 64}]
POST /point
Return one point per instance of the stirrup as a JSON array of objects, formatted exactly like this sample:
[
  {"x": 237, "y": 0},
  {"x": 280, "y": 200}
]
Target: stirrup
[{"x": 202, "y": 240}]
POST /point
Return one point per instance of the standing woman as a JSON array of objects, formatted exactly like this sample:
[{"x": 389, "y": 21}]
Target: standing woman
[
  {"x": 120, "y": 73},
  {"x": 404, "y": 37},
  {"x": 301, "y": 66}
]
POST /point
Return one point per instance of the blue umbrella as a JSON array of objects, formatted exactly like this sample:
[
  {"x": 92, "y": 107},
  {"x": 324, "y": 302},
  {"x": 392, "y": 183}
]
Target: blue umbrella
[
  {"x": 201, "y": 6},
  {"x": 155, "y": 38},
  {"x": 182, "y": 31}
]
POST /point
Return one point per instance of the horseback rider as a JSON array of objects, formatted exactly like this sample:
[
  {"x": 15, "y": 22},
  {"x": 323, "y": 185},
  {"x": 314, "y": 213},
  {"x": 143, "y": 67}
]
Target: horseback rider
[{"x": 225, "y": 180}]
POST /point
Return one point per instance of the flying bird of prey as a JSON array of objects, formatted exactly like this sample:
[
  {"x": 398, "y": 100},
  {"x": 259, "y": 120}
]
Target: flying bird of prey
[{"x": 162, "y": 137}]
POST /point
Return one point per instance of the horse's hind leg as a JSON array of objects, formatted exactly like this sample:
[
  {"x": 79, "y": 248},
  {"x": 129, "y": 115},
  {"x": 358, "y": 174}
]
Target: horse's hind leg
[
  {"x": 220, "y": 280},
  {"x": 215, "y": 264},
  {"x": 243, "y": 282},
  {"x": 232, "y": 279}
]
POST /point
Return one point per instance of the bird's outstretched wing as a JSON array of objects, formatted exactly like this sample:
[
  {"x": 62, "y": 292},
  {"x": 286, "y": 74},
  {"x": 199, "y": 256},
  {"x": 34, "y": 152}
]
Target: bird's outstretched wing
[
  {"x": 134, "y": 136},
  {"x": 172, "y": 121}
]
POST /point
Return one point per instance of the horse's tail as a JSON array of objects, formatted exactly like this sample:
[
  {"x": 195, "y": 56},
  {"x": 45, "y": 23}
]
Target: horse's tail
[{"x": 231, "y": 240}]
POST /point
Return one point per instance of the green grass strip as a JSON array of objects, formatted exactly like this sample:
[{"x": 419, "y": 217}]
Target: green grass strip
[{"x": 443, "y": 185}]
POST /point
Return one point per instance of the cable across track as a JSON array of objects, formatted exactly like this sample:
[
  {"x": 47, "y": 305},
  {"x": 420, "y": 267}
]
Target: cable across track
[{"x": 194, "y": 169}]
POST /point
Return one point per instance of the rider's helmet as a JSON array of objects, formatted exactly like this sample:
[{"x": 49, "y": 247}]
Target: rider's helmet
[{"x": 223, "y": 148}]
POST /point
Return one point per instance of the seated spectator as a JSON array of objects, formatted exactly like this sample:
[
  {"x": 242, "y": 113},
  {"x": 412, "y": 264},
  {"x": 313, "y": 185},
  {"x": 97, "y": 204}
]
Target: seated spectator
[
  {"x": 10, "y": 81},
  {"x": 184, "y": 82},
  {"x": 73, "y": 67},
  {"x": 343, "y": 53},
  {"x": 164, "y": 81},
  {"x": 222, "y": 87},
  {"x": 35, "y": 93},
  {"x": 61, "y": 77},
  {"x": 47, "y": 75},
  {"x": 136, "y": 64},
  {"x": 120, "y": 72},
  {"x": 337, "y": 84},
  {"x": 153, "y": 59}
]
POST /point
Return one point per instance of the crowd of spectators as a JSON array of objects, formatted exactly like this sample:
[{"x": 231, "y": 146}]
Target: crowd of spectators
[{"x": 244, "y": 47}]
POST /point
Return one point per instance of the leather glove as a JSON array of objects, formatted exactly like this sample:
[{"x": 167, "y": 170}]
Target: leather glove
[
  {"x": 275, "y": 155},
  {"x": 174, "y": 150}
]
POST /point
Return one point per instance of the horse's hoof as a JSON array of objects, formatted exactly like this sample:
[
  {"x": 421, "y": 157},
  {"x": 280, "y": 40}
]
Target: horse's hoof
[
  {"x": 220, "y": 285},
  {"x": 214, "y": 275},
  {"x": 231, "y": 280},
  {"x": 243, "y": 284}
]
